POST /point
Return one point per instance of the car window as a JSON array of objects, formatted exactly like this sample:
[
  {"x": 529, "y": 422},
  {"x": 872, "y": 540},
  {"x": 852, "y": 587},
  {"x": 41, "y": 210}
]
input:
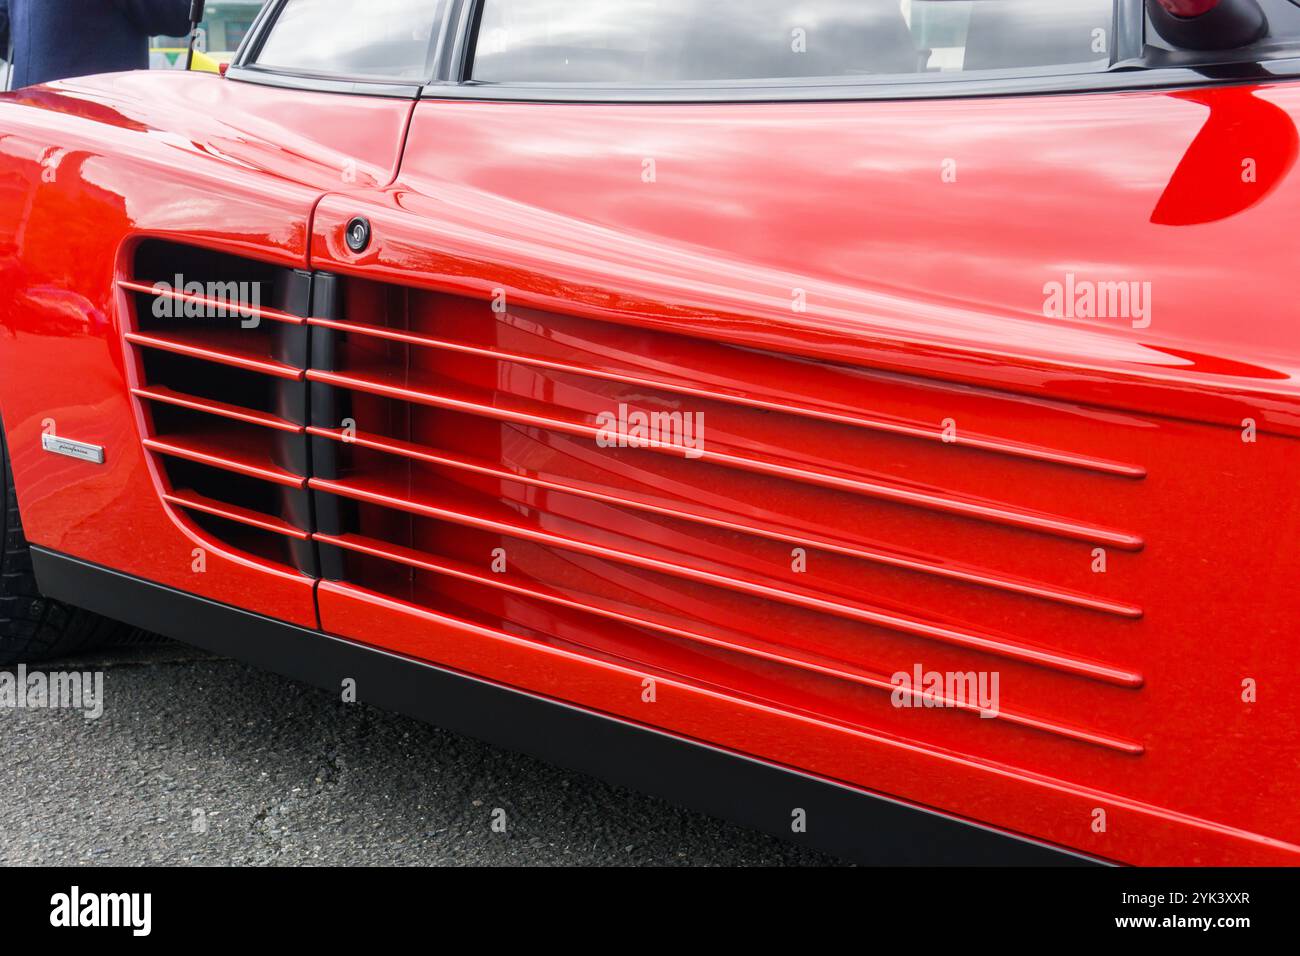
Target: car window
[
  {"x": 658, "y": 41},
  {"x": 379, "y": 39}
]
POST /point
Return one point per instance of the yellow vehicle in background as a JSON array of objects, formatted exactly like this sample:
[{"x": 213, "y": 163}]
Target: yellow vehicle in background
[
  {"x": 224, "y": 24},
  {"x": 173, "y": 58}
]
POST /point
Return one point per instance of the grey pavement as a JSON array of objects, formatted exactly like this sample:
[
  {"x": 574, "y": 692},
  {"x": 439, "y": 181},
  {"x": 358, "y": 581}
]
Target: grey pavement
[{"x": 202, "y": 760}]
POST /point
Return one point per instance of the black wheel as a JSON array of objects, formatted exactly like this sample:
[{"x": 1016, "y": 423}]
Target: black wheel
[{"x": 32, "y": 627}]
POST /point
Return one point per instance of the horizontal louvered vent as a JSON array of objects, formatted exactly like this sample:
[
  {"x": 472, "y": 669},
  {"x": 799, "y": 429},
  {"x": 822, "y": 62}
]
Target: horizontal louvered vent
[
  {"x": 220, "y": 348},
  {"x": 463, "y": 464},
  {"x": 806, "y": 532}
]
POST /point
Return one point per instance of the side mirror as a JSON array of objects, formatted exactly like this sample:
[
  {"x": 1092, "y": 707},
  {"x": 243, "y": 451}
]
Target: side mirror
[{"x": 1208, "y": 24}]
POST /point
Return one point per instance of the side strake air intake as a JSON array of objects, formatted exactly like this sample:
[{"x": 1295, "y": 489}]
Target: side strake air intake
[
  {"x": 806, "y": 532},
  {"x": 800, "y": 538},
  {"x": 220, "y": 345}
]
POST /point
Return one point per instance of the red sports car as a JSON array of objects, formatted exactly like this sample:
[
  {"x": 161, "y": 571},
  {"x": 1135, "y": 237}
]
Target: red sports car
[{"x": 876, "y": 421}]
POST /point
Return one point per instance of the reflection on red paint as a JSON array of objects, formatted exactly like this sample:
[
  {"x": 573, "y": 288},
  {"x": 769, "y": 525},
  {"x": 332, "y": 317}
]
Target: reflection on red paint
[{"x": 1242, "y": 153}]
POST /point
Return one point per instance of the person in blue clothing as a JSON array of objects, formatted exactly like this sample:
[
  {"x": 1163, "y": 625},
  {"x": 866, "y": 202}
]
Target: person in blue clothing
[{"x": 56, "y": 39}]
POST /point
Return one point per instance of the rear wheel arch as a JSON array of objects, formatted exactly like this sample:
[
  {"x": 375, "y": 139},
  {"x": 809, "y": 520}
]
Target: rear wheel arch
[{"x": 32, "y": 626}]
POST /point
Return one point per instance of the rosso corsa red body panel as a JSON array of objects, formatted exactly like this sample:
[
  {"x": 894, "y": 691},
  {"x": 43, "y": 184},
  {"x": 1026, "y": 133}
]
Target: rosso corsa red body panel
[{"x": 903, "y": 464}]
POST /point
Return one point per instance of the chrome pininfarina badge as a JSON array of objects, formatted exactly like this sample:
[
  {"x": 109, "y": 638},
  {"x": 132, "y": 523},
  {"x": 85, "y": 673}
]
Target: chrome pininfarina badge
[{"x": 73, "y": 449}]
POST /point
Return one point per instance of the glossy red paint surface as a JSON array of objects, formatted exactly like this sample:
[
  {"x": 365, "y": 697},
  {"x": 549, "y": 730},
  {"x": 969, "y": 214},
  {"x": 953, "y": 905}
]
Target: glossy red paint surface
[
  {"x": 87, "y": 168},
  {"x": 864, "y": 335}
]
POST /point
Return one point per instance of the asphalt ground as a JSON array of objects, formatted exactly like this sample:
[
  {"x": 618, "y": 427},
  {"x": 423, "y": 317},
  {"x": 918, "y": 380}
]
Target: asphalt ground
[{"x": 203, "y": 760}]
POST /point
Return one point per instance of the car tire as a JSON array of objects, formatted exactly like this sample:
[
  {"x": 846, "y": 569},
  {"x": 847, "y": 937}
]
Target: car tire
[{"x": 32, "y": 627}]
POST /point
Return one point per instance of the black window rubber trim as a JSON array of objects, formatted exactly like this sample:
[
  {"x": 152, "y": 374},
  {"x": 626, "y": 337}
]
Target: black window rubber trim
[
  {"x": 844, "y": 821},
  {"x": 320, "y": 84},
  {"x": 1134, "y": 79}
]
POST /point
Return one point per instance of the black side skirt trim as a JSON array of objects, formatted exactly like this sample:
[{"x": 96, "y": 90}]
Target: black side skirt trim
[{"x": 844, "y": 821}]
